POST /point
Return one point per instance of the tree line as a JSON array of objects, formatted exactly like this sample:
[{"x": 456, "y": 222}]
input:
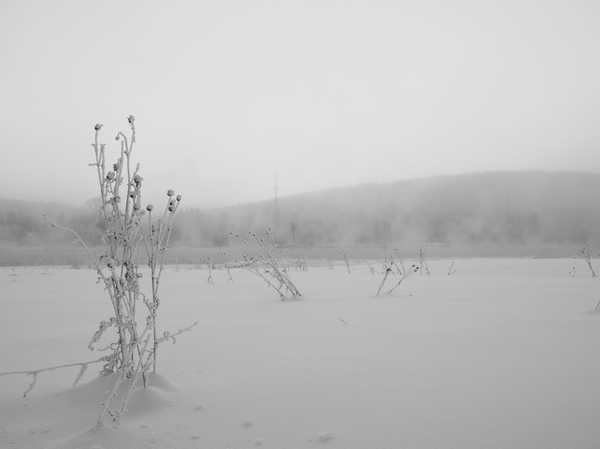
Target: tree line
[{"x": 490, "y": 207}]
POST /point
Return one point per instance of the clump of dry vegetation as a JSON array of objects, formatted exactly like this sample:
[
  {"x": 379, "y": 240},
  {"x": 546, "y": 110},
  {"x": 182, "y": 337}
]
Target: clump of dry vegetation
[
  {"x": 266, "y": 262},
  {"x": 586, "y": 254},
  {"x": 227, "y": 263},
  {"x": 344, "y": 255},
  {"x": 388, "y": 264},
  {"x": 423, "y": 262},
  {"x": 133, "y": 355}
]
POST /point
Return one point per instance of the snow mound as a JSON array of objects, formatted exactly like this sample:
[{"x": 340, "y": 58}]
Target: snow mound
[
  {"x": 153, "y": 398},
  {"x": 323, "y": 437},
  {"x": 143, "y": 402}
]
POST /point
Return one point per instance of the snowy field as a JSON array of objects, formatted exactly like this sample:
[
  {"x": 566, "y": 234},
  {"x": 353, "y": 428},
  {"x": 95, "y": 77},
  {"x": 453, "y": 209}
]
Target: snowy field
[{"x": 504, "y": 353}]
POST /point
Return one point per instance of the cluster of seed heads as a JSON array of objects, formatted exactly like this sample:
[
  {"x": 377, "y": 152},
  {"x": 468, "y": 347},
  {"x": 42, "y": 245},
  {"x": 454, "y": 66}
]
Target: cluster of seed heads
[{"x": 172, "y": 202}]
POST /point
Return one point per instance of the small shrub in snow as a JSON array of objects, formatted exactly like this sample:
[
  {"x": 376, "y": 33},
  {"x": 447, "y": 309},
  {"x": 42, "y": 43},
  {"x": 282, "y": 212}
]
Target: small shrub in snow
[
  {"x": 451, "y": 269},
  {"x": 266, "y": 262},
  {"x": 389, "y": 262},
  {"x": 585, "y": 253},
  {"x": 387, "y": 266},
  {"x": 344, "y": 255},
  {"x": 403, "y": 275},
  {"x": 300, "y": 264},
  {"x": 209, "y": 265},
  {"x": 386, "y": 272},
  {"x": 423, "y": 263},
  {"x": 400, "y": 265},
  {"x": 134, "y": 352},
  {"x": 12, "y": 274},
  {"x": 329, "y": 262},
  {"x": 196, "y": 261},
  {"x": 227, "y": 263}
]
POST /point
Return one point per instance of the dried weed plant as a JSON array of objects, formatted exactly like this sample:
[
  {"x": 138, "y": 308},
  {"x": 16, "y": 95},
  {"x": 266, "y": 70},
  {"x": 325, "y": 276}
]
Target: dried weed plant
[
  {"x": 266, "y": 262},
  {"x": 423, "y": 263},
  {"x": 586, "y": 254},
  {"x": 134, "y": 353},
  {"x": 407, "y": 273},
  {"x": 388, "y": 265},
  {"x": 344, "y": 255},
  {"x": 227, "y": 262}
]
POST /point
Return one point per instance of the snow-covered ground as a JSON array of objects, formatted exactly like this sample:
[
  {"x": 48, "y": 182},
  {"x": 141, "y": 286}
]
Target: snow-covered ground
[{"x": 502, "y": 354}]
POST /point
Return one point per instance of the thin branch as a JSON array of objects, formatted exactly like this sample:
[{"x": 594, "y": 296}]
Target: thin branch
[
  {"x": 34, "y": 373},
  {"x": 168, "y": 336}
]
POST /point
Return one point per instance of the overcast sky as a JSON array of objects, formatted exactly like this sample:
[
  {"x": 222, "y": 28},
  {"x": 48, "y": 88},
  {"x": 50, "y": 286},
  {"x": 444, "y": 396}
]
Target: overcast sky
[{"x": 325, "y": 93}]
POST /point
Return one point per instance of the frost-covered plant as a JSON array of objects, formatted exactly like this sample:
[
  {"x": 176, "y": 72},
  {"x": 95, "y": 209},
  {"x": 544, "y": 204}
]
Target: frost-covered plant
[
  {"x": 423, "y": 263},
  {"x": 266, "y": 262},
  {"x": 585, "y": 253},
  {"x": 389, "y": 262},
  {"x": 12, "y": 275},
  {"x": 329, "y": 263},
  {"x": 371, "y": 269},
  {"x": 196, "y": 261},
  {"x": 134, "y": 352},
  {"x": 386, "y": 268},
  {"x": 300, "y": 264},
  {"x": 451, "y": 269},
  {"x": 344, "y": 255},
  {"x": 386, "y": 272},
  {"x": 412, "y": 270},
  {"x": 389, "y": 271},
  {"x": 227, "y": 263},
  {"x": 209, "y": 265},
  {"x": 388, "y": 265}
]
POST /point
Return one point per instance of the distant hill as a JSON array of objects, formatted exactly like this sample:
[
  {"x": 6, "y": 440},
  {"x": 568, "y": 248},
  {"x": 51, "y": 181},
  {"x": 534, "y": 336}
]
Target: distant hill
[
  {"x": 501, "y": 208},
  {"x": 492, "y": 207}
]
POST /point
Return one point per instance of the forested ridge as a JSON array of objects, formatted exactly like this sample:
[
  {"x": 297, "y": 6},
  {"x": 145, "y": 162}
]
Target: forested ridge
[{"x": 488, "y": 207}]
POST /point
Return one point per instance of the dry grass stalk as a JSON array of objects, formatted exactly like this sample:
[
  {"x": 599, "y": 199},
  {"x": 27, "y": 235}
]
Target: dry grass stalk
[
  {"x": 585, "y": 253},
  {"x": 344, "y": 255},
  {"x": 423, "y": 263},
  {"x": 227, "y": 262}
]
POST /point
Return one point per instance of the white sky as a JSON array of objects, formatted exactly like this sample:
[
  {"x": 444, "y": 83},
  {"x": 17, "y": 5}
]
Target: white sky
[{"x": 328, "y": 93}]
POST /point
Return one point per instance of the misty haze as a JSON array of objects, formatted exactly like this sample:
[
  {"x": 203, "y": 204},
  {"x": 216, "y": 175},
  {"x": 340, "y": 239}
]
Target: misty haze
[
  {"x": 508, "y": 214},
  {"x": 320, "y": 224}
]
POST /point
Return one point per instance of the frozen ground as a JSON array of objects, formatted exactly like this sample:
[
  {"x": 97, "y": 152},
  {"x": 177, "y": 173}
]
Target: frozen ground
[{"x": 502, "y": 354}]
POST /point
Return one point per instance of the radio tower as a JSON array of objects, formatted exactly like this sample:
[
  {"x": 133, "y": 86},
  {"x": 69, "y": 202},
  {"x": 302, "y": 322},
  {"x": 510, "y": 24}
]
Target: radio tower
[{"x": 275, "y": 211}]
